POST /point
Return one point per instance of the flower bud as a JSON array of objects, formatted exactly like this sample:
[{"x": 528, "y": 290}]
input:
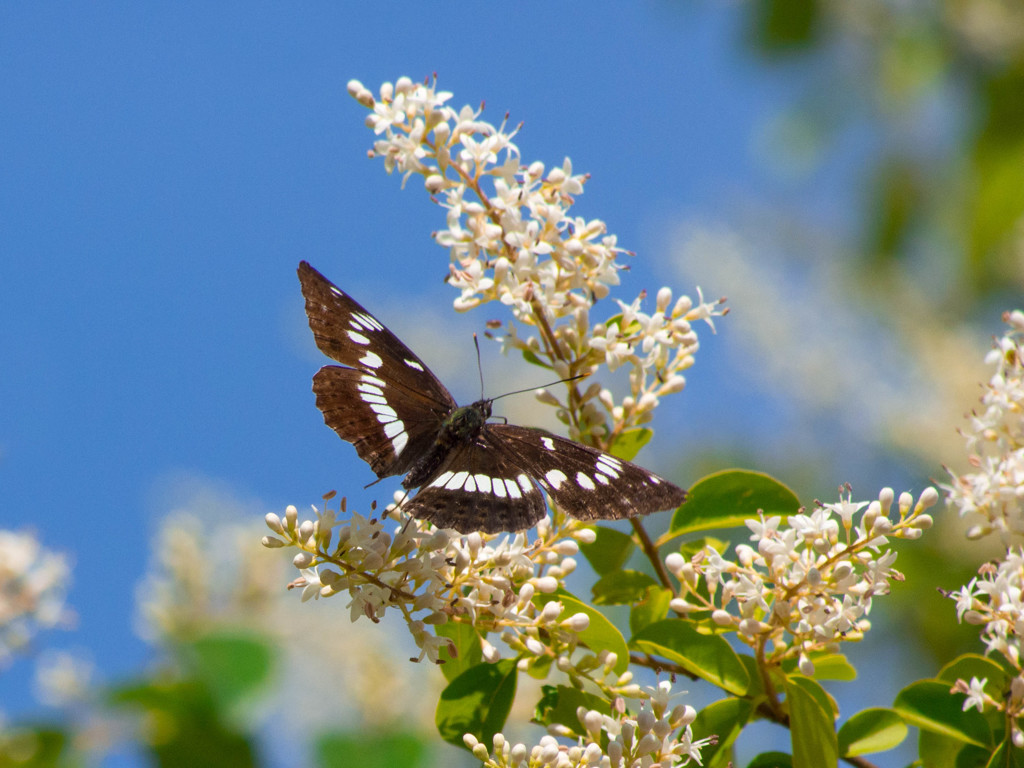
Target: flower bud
[
  {"x": 592, "y": 720},
  {"x": 567, "y": 547},
  {"x": 534, "y": 646},
  {"x": 550, "y": 612},
  {"x": 645, "y": 720},
  {"x": 648, "y": 744},
  {"x": 722, "y": 618},
  {"x": 578, "y": 622},
  {"x": 885, "y": 497},
  {"x": 680, "y": 606},
  {"x": 675, "y": 562},
  {"x": 664, "y": 298},
  {"x": 271, "y": 542},
  {"x": 805, "y": 665},
  {"x": 434, "y": 183},
  {"x": 676, "y": 383},
  {"x": 546, "y": 584}
]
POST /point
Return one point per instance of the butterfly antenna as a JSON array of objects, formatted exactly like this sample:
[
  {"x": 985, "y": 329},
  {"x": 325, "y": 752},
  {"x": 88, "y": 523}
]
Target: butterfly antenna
[
  {"x": 479, "y": 365},
  {"x": 549, "y": 384}
]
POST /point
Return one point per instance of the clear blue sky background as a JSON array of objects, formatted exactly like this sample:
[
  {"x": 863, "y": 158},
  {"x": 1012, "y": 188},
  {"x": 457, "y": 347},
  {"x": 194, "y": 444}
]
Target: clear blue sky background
[{"x": 164, "y": 168}]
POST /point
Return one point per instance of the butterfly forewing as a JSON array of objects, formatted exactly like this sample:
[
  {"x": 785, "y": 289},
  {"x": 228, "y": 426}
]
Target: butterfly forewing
[{"x": 385, "y": 401}]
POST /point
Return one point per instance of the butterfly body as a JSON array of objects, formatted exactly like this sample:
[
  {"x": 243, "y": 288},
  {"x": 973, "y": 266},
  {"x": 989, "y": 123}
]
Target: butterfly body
[
  {"x": 461, "y": 426},
  {"x": 471, "y": 474}
]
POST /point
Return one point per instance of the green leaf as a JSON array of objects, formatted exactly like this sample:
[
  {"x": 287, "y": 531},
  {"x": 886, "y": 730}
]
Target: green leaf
[
  {"x": 559, "y": 703},
  {"x": 782, "y": 26},
  {"x": 873, "y": 730},
  {"x": 190, "y": 727},
  {"x": 725, "y": 718},
  {"x": 998, "y": 199},
  {"x": 601, "y": 635},
  {"x": 621, "y": 587},
  {"x": 707, "y": 656},
  {"x": 833, "y": 666},
  {"x": 537, "y": 667},
  {"x": 468, "y": 648},
  {"x": 725, "y": 499},
  {"x": 652, "y": 607},
  {"x": 477, "y": 701},
  {"x": 937, "y": 751},
  {"x": 813, "y": 688},
  {"x": 973, "y": 665},
  {"x": 929, "y": 705},
  {"x": 771, "y": 760},
  {"x": 691, "y": 547},
  {"x": 827, "y": 666},
  {"x": 812, "y": 729},
  {"x": 530, "y": 357},
  {"x": 755, "y": 690},
  {"x": 36, "y": 745},
  {"x": 629, "y": 442},
  {"x": 234, "y": 665},
  {"x": 1006, "y": 755},
  {"x": 609, "y": 551},
  {"x": 376, "y": 749}
]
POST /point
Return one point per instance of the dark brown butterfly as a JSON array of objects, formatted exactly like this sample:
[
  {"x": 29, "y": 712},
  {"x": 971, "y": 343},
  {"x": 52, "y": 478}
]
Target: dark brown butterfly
[{"x": 472, "y": 475}]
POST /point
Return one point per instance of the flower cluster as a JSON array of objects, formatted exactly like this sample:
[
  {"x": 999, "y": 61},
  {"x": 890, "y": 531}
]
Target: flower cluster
[
  {"x": 33, "y": 583},
  {"x": 995, "y": 601},
  {"x": 496, "y": 583},
  {"x": 656, "y": 735},
  {"x": 807, "y": 586},
  {"x": 512, "y": 239},
  {"x": 992, "y": 498}
]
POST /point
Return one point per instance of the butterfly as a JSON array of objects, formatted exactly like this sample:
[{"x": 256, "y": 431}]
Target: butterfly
[{"x": 472, "y": 475}]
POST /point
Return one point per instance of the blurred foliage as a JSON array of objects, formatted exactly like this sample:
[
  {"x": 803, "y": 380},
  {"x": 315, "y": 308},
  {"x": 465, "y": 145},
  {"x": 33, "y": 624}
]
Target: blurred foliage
[
  {"x": 197, "y": 709},
  {"x": 915, "y": 72}
]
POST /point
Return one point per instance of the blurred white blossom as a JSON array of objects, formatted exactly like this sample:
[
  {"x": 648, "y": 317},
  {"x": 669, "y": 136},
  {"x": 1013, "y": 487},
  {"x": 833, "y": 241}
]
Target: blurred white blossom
[
  {"x": 33, "y": 585},
  {"x": 63, "y": 678}
]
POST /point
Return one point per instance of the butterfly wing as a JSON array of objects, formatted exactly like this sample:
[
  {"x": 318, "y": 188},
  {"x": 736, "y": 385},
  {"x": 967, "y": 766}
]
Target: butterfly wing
[
  {"x": 494, "y": 483},
  {"x": 477, "y": 488},
  {"x": 384, "y": 400},
  {"x": 584, "y": 482}
]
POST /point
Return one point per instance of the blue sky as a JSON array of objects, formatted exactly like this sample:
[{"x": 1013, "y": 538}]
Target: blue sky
[{"x": 164, "y": 169}]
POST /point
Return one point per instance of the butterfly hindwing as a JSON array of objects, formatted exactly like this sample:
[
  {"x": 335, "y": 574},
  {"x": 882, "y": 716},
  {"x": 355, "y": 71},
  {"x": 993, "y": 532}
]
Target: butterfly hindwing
[
  {"x": 493, "y": 484},
  {"x": 478, "y": 489},
  {"x": 356, "y": 406},
  {"x": 585, "y": 482}
]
